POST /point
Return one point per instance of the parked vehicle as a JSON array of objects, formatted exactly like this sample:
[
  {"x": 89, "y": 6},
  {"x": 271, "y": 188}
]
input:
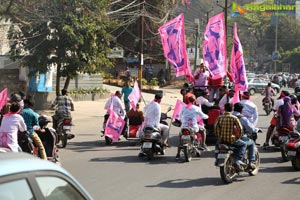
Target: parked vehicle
[
  {"x": 267, "y": 104},
  {"x": 23, "y": 176},
  {"x": 257, "y": 85},
  {"x": 293, "y": 150},
  {"x": 151, "y": 139},
  {"x": 226, "y": 161},
  {"x": 189, "y": 143}
]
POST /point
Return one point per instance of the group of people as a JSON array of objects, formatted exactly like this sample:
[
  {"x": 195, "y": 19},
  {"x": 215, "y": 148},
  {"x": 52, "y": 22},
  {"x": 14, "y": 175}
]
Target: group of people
[{"x": 18, "y": 117}]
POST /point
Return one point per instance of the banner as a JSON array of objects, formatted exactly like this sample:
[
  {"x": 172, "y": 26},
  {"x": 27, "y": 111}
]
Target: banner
[
  {"x": 114, "y": 126},
  {"x": 177, "y": 109},
  {"x": 135, "y": 95},
  {"x": 237, "y": 64},
  {"x": 3, "y": 97},
  {"x": 214, "y": 46},
  {"x": 173, "y": 42}
]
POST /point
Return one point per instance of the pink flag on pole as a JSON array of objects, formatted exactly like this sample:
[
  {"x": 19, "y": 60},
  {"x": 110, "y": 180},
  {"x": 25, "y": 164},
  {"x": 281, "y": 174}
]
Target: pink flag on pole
[
  {"x": 114, "y": 126},
  {"x": 174, "y": 45},
  {"x": 237, "y": 64},
  {"x": 135, "y": 95},
  {"x": 236, "y": 96},
  {"x": 177, "y": 109},
  {"x": 3, "y": 97},
  {"x": 214, "y": 46}
]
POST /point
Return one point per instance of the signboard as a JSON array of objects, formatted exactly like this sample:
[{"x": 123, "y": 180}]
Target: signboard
[
  {"x": 116, "y": 52},
  {"x": 275, "y": 56}
]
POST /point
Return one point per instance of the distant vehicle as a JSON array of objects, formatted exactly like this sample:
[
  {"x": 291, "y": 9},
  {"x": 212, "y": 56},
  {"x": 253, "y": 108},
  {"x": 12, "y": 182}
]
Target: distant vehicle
[
  {"x": 23, "y": 176},
  {"x": 259, "y": 84},
  {"x": 250, "y": 75}
]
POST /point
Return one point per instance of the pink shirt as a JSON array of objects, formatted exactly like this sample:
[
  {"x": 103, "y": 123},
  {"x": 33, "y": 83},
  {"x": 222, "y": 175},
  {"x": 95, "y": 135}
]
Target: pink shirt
[
  {"x": 10, "y": 126},
  {"x": 203, "y": 78}
]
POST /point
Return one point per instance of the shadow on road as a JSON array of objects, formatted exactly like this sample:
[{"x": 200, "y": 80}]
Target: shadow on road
[
  {"x": 279, "y": 169},
  {"x": 292, "y": 181},
  {"x": 189, "y": 183}
]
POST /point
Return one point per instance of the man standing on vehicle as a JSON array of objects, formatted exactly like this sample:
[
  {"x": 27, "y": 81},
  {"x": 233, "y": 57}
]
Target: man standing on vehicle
[
  {"x": 228, "y": 130},
  {"x": 152, "y": 114},
  {"x": 126, "y": 90},
  {"x": 64, "y": 105}
]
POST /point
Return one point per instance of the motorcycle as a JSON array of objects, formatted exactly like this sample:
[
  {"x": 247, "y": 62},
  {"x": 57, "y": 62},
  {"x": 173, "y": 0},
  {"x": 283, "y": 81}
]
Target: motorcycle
[
  {"x": 279, "y": 138},
  {"x": 151, "y": 139},
  {"x": 267, "y": 106},
  {"x": 189, "y": 143},
  {"x": 63, "y": 131},
  {"x": 293, "y": 150},
  {"x": 226, "y": 161}
]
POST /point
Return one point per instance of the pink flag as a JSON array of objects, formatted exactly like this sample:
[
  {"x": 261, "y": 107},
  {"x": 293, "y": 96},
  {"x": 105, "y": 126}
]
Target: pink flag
[
  {"x": 135, "y": 95},
  {"x": 214, "y": 46},
  {"x": 177, "y": 109},
  {"x": 173, "y": 41},
  {"x": 236, "y": 96},
  {"x": 114, "y": 126},
  {"x": 237, "y": 64},
  {"x": 3, "y": 97}
]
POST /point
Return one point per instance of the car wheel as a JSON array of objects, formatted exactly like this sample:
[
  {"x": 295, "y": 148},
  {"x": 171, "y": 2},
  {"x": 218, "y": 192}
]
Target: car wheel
[{"x": 252, "y": 92}]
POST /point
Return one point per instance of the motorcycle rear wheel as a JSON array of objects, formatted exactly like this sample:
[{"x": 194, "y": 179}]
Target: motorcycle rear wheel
[
  {"x": 187, "y": 153},
  {"x": 228, "y": 171},
  {"x": 296, "y": 162},
  {"x": 64, "y": 138},
  {"x": 254, "y": 172},
  {"x": 150, "y": 154},
  {"x": 108, "y": 140},
  {"x": 284, "y": 155}
]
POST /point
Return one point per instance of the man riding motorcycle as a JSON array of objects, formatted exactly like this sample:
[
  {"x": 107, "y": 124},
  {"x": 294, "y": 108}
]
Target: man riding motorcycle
[
  {"x": 64, "y": 105},
  {"x": 269, "y": 93}
]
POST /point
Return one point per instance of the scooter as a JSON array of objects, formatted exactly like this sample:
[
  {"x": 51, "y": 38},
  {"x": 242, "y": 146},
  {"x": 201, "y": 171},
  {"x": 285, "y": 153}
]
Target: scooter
[
  {"x": 293, "y": 150},
  {"x": 151, "y": 139},
  {"x": 63, "y": 130},
  {"x": 189, "y": 143}
]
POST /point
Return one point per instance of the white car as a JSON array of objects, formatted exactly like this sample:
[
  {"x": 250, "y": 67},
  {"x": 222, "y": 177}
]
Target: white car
[
  {"x": 259, "y": 84},
  {"x": 23, "y": 177}
]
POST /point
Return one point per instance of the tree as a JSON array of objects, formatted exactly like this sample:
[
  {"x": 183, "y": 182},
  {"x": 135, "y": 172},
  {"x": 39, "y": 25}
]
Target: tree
[{"x": 73, "y": 35}]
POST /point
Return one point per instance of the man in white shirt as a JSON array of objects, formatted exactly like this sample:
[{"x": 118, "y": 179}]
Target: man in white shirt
[
  {"x": 152, "y": 113},
  {"x": 250, "y": 109},
  {"x": 203, "y": 100},
  {"x": 12, "y": 123},
  {"x": 117, "y": 105}
]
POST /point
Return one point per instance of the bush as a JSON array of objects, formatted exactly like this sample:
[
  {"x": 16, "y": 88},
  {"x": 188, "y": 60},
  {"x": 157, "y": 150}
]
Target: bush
[
  {"x": 96, "y": 90},
  {"x": 154, "y": 81},
  {"x": 144, "y": 81}
]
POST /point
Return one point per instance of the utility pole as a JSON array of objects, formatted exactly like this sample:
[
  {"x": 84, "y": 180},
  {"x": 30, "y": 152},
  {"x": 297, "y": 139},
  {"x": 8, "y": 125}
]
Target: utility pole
[
  {"x": 141, "y": 44},
  {"x": 197, "y": 22}
]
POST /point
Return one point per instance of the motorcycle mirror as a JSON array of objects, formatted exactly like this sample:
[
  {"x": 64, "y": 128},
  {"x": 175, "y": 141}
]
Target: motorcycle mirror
[{"x": 169, "y": 109}]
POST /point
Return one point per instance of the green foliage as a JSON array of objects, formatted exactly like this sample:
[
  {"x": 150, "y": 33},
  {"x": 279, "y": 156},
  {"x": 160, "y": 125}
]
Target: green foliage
[
  {"x": 96, "y": 90},
  {"x": 154, "y": 81},
  {"x": 144, "y": 81},
  {"x": 75, "y": 33}
]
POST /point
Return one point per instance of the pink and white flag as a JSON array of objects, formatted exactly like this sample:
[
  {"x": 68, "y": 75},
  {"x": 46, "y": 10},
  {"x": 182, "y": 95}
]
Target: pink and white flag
[
  {"x": 3, "y": 97},
  {"x": 177, "y": 109},
  {"x": 214, "y": 46},
  {"x": 174, "y": 45},
  {"x": 236, "y": 96},
  {"x": 237, "y": 64},
  {"x": 114, "y": 126},
  {"x": 135, "y": 95}
]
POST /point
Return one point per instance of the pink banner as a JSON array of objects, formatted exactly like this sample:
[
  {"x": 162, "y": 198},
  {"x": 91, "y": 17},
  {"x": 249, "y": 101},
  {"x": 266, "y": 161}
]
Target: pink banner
[
  {"x": 177, "y": 109},
  {"x": 214, "y": 46},
  {"x": 114, "y": 126},
  {"x": 237, "y": 64},
  {"x": 236, "y": 96},
  {"x": 173, "y": 41},
  {"x": 135, "y": 95},
  {"x": 3, "y": 97}
]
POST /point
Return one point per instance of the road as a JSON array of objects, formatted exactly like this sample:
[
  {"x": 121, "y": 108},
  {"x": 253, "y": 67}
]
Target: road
[{"x": 116, "y": 172}]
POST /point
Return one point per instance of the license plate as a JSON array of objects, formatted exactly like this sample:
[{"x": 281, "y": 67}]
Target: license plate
[
  {"x": 283, "y": 138},
  {"x": 66, "y": 127},
  {"x": 291, "y": 153},
  {"x": 266, "y": 104},
  {"x": 147, "y": 145},
  {"x": 185, "y": 137},
  {"x": 222, "y": 155}
]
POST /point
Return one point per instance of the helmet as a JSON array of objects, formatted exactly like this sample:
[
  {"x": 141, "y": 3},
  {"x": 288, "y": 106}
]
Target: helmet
[
  {"x": 293, "y": 98},
  {"x": 297, "y": 89},
  {"x": 43, "y": 120}
]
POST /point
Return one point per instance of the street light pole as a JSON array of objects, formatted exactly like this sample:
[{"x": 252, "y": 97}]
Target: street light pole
[
  {"x": 197, "y": 22},
  {"x": 141, "y": 35}
]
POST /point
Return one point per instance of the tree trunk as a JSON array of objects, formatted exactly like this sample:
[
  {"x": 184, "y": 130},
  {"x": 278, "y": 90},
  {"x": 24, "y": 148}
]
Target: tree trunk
[
  {"x": 58, "y": 79},
  {"x": 67, "y": 82}
]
